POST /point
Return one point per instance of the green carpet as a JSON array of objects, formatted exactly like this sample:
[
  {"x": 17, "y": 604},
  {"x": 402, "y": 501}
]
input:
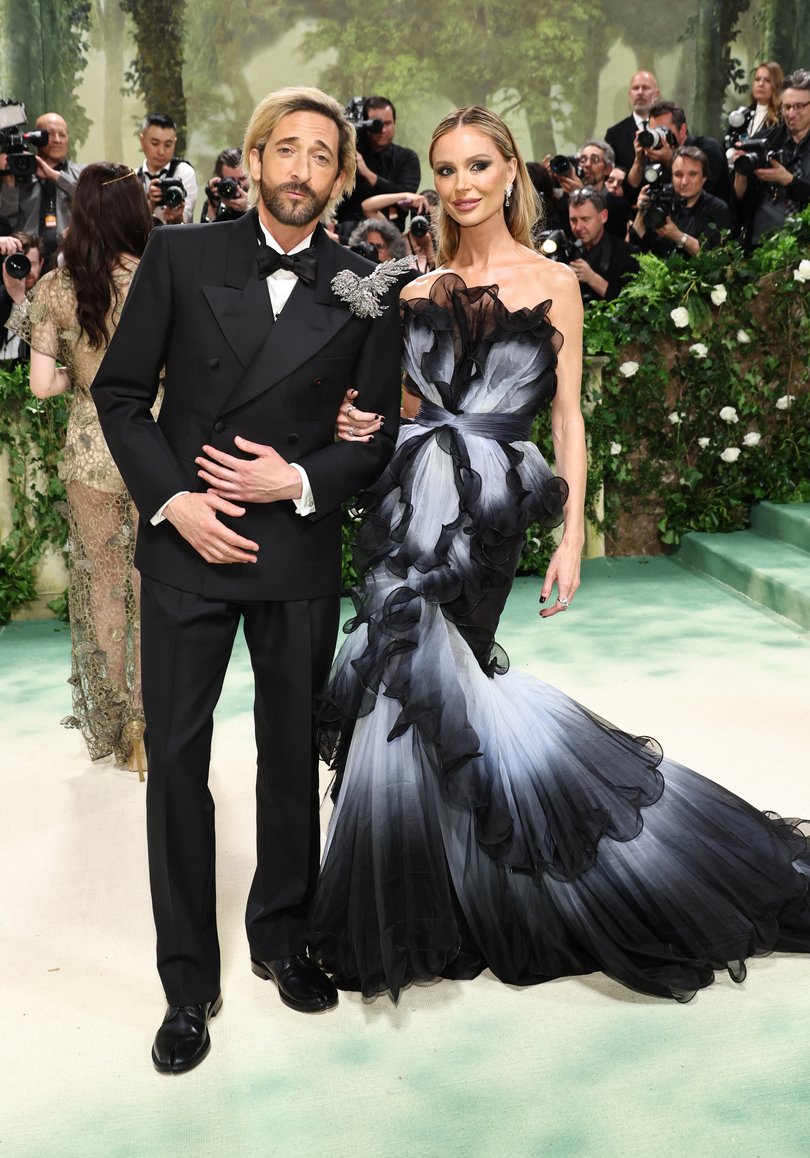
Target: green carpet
[{"x": 576, "y": 1067}]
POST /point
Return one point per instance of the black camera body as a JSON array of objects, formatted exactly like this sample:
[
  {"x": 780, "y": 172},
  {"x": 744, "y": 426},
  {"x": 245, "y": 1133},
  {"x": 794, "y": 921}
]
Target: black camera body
[
  {"x": 756, "y": 155},
  {"x": 225, "y": 190},
  {"x": 21, "y": 163},
  {"x": 556, "y": 245},
  {"x": 662, "y": 204},
  {"x": 172, "y": 192},
  {"x": 354, "y": 111},
  {"x": 367, "y": 250}
]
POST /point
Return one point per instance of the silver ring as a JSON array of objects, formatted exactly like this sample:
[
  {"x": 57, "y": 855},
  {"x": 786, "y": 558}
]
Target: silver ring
[
  {"x": 351, "y": 431},
  {"x": 349, "y": 409},
  {"x": 563, "y": 602}
]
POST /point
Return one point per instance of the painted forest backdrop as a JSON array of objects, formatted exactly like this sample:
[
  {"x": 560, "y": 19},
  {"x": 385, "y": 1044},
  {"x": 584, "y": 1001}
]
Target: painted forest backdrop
[{"x": 557, "y": 71}]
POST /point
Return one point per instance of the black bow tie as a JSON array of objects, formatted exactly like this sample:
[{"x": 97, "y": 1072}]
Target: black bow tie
[{"x": 302, "y": 264}]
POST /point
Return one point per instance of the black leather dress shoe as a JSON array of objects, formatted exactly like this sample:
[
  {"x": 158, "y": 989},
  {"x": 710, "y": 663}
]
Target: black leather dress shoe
[
  {"x": 301, "y": 985},
  {"x": 182, "y": 1041}
]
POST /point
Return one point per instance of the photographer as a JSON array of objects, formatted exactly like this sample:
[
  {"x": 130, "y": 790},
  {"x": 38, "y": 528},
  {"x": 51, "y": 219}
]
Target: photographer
[
  {"x": 642, "y": 93},
  {"x": 169, "y": 182},
  {"x": 419, "y": 234},
  {"x": 667, "y": 131},
  {"x": 590, "y": 169},
  {"x": 41, "y": 204},
  {"x": 681, "y": 216},
  {"x": 29, "y": 249},
  {"x": 606, "y": 261},
  {"x": 780, "y": 181},
  {"x": 382, "y": 166},
  {"x": 226, "y": 192},
  {"x": 381, "y": 236}
]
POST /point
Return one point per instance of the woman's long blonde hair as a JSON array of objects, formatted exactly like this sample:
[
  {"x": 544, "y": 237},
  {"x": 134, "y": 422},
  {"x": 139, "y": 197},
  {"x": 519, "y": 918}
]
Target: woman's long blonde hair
[
  {"x": 524, "y": 205},
  {"x": 772, "y": 117}
]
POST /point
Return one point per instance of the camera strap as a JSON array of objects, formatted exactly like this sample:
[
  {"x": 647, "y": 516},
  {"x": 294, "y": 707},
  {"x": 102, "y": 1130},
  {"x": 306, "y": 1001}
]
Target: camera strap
[{"x": 47, "y": 216}]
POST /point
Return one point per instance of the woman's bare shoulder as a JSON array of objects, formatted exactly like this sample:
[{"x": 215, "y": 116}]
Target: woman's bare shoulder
[{"x": 420, "y": 286}]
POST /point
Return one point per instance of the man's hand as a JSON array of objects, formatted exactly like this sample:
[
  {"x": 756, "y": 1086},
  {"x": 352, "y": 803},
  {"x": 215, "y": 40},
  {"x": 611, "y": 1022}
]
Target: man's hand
[
  {"x": 775, "y": 174},
  {"x": 568, "y": 182},
  {"x": 364, "y": 171},
  {"x": 46, "y": 171},
  {"x": 583, "y": 271},
  {"x": 670, "y": 231},
  {"x": 10, "y": 245},
  {"x": 154, "y": 194},
  {"x": 173, "y": 215},
  {"x": 194, "y": 517},
  {"x": 267, "y": 478}
]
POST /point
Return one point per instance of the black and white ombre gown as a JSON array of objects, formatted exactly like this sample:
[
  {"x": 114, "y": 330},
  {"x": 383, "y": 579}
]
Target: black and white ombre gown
[{"x": 481, "y": 813}]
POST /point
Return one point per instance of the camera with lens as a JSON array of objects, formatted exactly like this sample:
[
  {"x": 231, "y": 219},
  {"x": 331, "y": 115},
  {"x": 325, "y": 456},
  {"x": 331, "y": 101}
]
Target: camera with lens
[
  {"x": 558, "y": 246},
  {"x": 354, "y": 111},
  {"x": 225, "y": 190},
  {"x": 21, "y": 164},
  {"x": 562, "y": 166},
  {"x": 662, "y": 203},
  {"x": 17, "y": 266},
  {"x": 367, "y": 250},
  {"x": 756, "y": 155},
  {"x": 172, "y": 192},
  {"x": 656, "y": 138}
]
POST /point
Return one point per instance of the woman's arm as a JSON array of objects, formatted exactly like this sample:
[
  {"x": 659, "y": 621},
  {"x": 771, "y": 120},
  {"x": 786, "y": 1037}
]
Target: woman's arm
[
  {"x": 46, "y": 378},
  {"x": 568, "y": 434},
  {"x": 373, "y": 205}
]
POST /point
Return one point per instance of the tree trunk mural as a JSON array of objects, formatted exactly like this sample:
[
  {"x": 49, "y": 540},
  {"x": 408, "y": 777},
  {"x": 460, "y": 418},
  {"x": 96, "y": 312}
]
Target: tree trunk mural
[{"x": 157, "y": 72}]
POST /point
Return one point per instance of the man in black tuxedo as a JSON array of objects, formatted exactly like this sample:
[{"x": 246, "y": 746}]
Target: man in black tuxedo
[
  {"x": 258, "y": 353},
  {"x": 642, "y": 93}
]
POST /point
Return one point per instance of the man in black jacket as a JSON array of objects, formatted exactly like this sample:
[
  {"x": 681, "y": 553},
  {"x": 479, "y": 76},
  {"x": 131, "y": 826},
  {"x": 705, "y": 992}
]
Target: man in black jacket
[
  {"x": 382, "y": 166},
  {"x": 239, "y": 485},
  {"x": 783, "y": 186},
  {"x": 607, "y": 260},
  {"x": 697, "y": 219},
  {"x": 642, "y": 94},
  {"x": 670, "y": 119}
]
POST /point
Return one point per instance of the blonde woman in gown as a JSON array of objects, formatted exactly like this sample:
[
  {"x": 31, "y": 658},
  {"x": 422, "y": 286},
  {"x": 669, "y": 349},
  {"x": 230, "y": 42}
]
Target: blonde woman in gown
[{"x": 68, "y": 319}]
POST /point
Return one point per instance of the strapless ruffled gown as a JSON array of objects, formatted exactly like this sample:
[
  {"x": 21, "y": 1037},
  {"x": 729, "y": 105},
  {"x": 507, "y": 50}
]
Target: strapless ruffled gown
[{"x": 482, "y": 817}]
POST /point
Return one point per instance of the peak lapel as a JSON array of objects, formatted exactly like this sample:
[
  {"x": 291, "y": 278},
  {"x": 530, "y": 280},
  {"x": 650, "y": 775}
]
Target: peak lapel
[
  {"x": 309, "y": 320},
  {"x": 241, "y": 306}
]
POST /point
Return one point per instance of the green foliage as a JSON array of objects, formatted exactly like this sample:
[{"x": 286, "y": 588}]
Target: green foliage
[
  {"x": 698, "y": 422},
  {"x": 157, "y": 71},
  {"x": 45, "y": 53},
  {"x": 32, "y": 433}
]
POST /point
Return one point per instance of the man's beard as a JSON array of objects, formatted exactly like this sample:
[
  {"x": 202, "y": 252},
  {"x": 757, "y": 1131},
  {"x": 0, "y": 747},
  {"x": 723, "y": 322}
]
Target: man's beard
[{"x": 296, "y": 212}]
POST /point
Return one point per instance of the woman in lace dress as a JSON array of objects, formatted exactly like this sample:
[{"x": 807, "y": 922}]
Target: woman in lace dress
[
  {"x": 482, "y": 817},
  {"x": 68, "y": 319}
]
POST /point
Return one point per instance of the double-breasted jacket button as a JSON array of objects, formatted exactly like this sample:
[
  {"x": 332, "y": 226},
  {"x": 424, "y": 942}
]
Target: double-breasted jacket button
[
  {"x": 219, "y": 426},
  {"x": 293, "y": 438},
  {"x": 213, "y": 363}
]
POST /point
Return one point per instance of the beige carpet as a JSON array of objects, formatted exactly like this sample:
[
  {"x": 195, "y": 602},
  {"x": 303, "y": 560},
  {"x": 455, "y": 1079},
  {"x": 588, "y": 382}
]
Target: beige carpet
[{"x": 575, "y": 1067}]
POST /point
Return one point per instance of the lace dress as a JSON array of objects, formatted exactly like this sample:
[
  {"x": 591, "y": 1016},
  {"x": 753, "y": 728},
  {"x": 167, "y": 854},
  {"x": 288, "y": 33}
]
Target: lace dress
[
  {"x": 483, "y": 817},
  {"x": 103, "y": 591}
]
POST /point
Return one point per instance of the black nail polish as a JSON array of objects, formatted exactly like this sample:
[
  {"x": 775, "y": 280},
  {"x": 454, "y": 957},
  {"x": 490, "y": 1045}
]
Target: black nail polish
[
  {"x": 542, "y": 598},
  {"x": 371, "y": 438}
]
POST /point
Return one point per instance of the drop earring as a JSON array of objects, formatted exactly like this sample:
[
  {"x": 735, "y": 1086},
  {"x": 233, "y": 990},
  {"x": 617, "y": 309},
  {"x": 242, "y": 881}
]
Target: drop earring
[{"x": 508, "y": 195}]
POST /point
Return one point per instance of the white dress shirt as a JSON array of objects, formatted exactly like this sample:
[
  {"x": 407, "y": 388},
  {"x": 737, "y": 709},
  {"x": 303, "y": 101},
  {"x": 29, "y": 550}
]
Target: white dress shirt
[{"x": 279, "y": 285}]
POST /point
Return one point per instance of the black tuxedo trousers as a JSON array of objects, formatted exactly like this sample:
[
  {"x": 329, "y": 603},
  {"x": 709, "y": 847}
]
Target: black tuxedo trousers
[{"x": 198, "y": 308}]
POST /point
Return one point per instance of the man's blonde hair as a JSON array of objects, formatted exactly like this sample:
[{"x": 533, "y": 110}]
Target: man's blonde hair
[{"x": 280, "y": 104}]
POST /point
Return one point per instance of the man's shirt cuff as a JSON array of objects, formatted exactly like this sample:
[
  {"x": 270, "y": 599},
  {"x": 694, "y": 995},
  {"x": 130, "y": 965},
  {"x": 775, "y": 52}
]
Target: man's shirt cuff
[
  {"x": 305, "y": 505},
  {"x": 159, "y": 516}
]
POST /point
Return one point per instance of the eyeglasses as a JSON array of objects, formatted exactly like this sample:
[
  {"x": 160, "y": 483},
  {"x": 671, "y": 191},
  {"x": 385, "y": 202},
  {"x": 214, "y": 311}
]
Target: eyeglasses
[{"x": 795, "y": 108}]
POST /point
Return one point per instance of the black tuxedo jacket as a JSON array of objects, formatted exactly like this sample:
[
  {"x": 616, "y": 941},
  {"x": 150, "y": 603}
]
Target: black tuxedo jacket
[
  {"x": 620, "y": 137},
  {"x": 198, "y": 307}
]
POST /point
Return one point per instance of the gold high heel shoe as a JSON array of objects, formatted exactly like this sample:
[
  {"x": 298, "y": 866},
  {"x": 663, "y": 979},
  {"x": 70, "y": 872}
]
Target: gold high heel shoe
[{"x": 132, "y": 734}]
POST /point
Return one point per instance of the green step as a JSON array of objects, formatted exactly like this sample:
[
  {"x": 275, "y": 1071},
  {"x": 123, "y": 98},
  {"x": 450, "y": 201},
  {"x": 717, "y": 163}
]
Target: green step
[
  {"x": 768, "y": 571},
  {"x": 787, "y": 521}
]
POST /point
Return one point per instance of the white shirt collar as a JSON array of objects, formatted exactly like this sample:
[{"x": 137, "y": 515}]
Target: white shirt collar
[{"x": 271, "y": 241}]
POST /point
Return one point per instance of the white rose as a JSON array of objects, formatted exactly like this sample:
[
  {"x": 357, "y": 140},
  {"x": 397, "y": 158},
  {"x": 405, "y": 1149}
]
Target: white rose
[
  {"x": 730, "y": 454},
  {"x": 752, "y": 438},
  {"x": 698, "y": 349},
  {"x": 742, "y": 337},
  {"x": 680, "y": 316},
  {"x": 719, "y": 295},
  {"x": 784, "y": 402},
  {"x": 803, "y": 272},
  {"x": 729, "y": 414},
  {"x": 674, "y": 417},
  {"x": 703, "y": 443},
  {"x": 615, "y": 448},
  {"x": 628, "y": 369}
]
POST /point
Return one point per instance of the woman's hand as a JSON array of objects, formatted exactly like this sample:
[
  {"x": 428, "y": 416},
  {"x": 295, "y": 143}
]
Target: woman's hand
[
  {"x": 563, "y": 569},
  {"x": 355, "y": 425}
]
